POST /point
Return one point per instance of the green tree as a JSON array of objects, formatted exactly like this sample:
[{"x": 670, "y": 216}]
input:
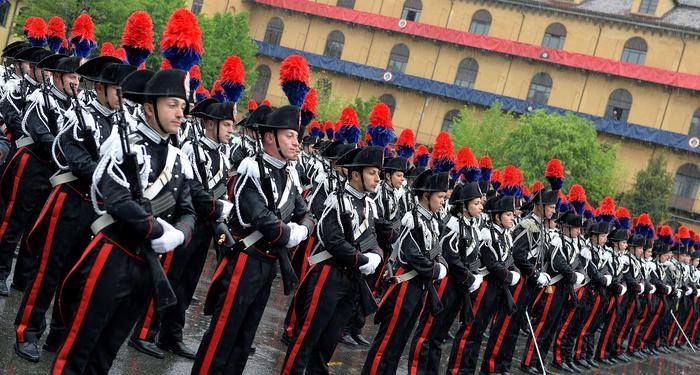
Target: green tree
[
  {"x": 485, "y": 132},
  {"x": 363, "y": 109},
  {"x": 651, "y": 191},
  {"x": 329, "y": 106},
  {"x": 225, "y": 34},
  {"x": 572, "y": 139}
]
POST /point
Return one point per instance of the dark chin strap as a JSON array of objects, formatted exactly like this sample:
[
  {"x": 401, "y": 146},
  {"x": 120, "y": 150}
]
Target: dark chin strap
[
  {"x": 279, "y": 149},
  {"x": 154, "y": 101}
]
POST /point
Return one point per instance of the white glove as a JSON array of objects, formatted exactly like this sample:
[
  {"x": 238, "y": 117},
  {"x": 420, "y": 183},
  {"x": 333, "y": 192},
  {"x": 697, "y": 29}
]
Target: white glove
[
  {"x": 516, "y": 278},
  {"x": 624, "y": 290},
  {"x": 543, "y": 279},
  {"x": 372, "y": 263},
  {"x": 688, "y": 291},
  {"x": 478, "y": 279},
  {"x": 652, "y": 290},
  {"x": 608, "y": 279},
  {"x": 297, "y": 234},
  {"x": 442, "y": 271},
  {"x": 579, "y": 278},
  {"x": 226, "y": 209},
  {"x": 698, "y": 293},
  {"x": 668, "y": 289},
  {"x": 641, "y": 288},
  {"x": 170, "y": 239},
  {"x": 679, "y": 293}
]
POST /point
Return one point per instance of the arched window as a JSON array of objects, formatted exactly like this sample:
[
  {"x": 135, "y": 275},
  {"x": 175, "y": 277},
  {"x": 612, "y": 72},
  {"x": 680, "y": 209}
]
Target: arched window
[
  {"x": 324, "y": 88},
  {"x": 259, "y": 90},
  {"x": 346, "y": 3},
  {"x": 481, "y": 23},
  {"x": 273, "y": 33},
  {"x": 695, "y": 125},
  {"x": 648, "y": 6},
  {"x": 619, "y": 105},
  {"x": 389, "y": 100},
  {"x": 554, "y": 36},
  {"x": 540, "y": 88},
  {"x": 448, "y": 120},
  {"x": 466, "y": 73},
  {"x": 685, "y": 187},
  {"x": 334, "y": 44},
  {"x": 398, "y": 58},
  {"x": 635, "y": 51},
  {"x": 411, "y": 10},
  {"x": 197, "y": 6}
]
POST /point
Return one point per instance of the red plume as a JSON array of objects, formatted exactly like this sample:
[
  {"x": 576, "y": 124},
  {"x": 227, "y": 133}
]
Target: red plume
[
  {"x": 294, "y": 68},
  {"x": 466, "y": 159},
  {"x": 622, "y": 213},
  {"x": 182, "y": 32},
  {"x": 107, "y": 49},
  {"x": 526, "y": 191},
  {"x": 554, "y": 169},
  {"x": 27, "y": 24},
  {"x": 511, "y": 176},
  {"x": 577, "y": 194},
  {"x": 36, "y": 28},
  {"x": 485, "y": 162},
  {"x": 443, "y": 147},
  {"x": 349, "y": 118},
  {"x": 252, "y": 105},
  {"x": 232, "y": 70},
  {"x": 665, "y": 231},
  {"x": 165, "y": 64},
  {"x": 329, "y": 126},
  {"x": 56, "y": 27},
  {"x": 422, "y": 150},
  {"x": 607, "y": 207},
  {"x": 537, "y": 186},
  {"x": 683, "y": 232},
  {"x": 645, "y": 220},
  {"x": 311, "y": 103},
  {"x": 380, "y": 116},
  {"x": 138, "y": 31},
  {"x": 266, "y": 102},
  {"x": 496, "y": 176},
  {"x": 196, "y": 73},
  {"x": 120, "y": 53},
  {"x": 83, "y": 28}
]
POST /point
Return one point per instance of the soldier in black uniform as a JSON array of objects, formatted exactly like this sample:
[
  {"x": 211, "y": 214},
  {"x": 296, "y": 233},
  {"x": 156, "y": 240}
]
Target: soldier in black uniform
[
  {"x": 419, "y": 264},
  {"x": 63, "y": 229},
  {"x": 113, "y": 273},
  {"x": 267, "y": 220}
]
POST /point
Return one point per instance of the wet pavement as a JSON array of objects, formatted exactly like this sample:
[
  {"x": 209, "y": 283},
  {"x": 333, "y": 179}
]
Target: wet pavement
[{"x": 270, "y": 351}]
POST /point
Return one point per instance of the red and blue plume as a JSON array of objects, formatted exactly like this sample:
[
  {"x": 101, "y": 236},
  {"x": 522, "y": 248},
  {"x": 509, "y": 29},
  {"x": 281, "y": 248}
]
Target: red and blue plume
[
  {"x": 555, "y": 174},
  {"x": 201, "y": 93},
  {"x": 693, "y": 238},
  {"x": 486, "y": 167},
  {"x": 665, "y": 234},
  {"x": 315, "y": 129},
  {"x": 496, "y": 180},
  {"x": 252, "y": 105},
  {"x": 527, "y": 195},
  {"x": 421, "y": 157},
  {"x": 563, "y": 203},
  {"x": 195, "y": 78},
  {"x": 380, "y": 126},
  {"x": 537, "y": 186},
  {"x": 64, "y": 47},
  {"x": 266, "y": 102},
  {"x": 349, "y": 127},
  {"x": 589, "y": 212},
  {"x": 577, "y": 198},
  {"x": 309, "y": 110},
  {"x": 120, "y": 53},
  {"x": 232, "y": 78},
  {"x": 83, "y": 36},
  {"x": 644, "y": 226},
  {"x": 467, "y": 165},
  {"x": 329, "y": 129},
  {"x": 137, "y": 38},
  {"x": 684, "y": 235},
  {"x": 443, "y": 158},
  {"x": 512, "y": 182},
  {"x": 405, "y": 145},
  {"x": 368, "y": 139},
  {"x": 165, "y": 64},
  {"x": 606, "y": 211},
  {"x": 182, "y": 40},
  {"x": 217, "y": 92},
  {"x": 107, "y": 49},
  {"x": 623, "y": 218},
  {"x": 35, "y": 29},
  {"x": 55, "y": 33},
  {"x": 294, "y": 78},
  {"x": 388, "y": 152},
  {"x": 455, "y": 175}
]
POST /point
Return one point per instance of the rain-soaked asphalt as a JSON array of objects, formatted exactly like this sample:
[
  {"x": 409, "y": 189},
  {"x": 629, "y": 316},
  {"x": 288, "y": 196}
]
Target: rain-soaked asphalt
[{"x": 270, "y": 351}]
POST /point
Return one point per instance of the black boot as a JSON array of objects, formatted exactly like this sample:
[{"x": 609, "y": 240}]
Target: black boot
[
  {"x": 27, "y": 350},
  {"x": 146, "y": 347}
]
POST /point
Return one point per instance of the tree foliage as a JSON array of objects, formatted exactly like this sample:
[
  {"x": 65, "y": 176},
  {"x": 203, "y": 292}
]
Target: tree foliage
[
  {"x": 363, "y": 109},
  {"x": 484, "y": 132},
  {"x": 651, "y": 191}
]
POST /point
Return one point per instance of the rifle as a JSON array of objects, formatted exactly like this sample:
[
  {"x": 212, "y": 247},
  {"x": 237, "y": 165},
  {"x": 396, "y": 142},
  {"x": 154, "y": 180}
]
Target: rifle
[
  {"x": 88, "y": 133},
  {"x": 367, "y": 302},
  {"x": 436, "y": 306},
  {"x": 163, "y": 294},
  {"x": 572, "y": 291},
  {"x": 289, "y": 276},
  {"x": 512, "y": 308},
  {"x": 50, "y": 115},
  {"x": 467, "y": 311}
]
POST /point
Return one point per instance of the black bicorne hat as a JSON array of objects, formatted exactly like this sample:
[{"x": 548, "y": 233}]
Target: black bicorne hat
[
  {"x": 396, "y": 164},
  {"x": 660, "y": 247},
  {"x": 113, "y": 74},
  {"x": 13, "y": 45},
  {"x": 92, "y": 69},
  {"x": 545, "y": 197},
  {"x": 498, "y": 204},
  {"x": 173, "y": 83},
  {"x": 12, "y": 50},
  {"x": 430, "y": 182},
  {"x": 49, "y": 62},
  {"x": 286, "y": 117},
  {"x": 134, "y": 84},
  {"x": 465, "y": 193},
  {"x": 26, "y": 54},
  {"x": 334, "y": 150},
  {"x": 258, "y": 117},
  {"x": 200, "y": 109},
  {"x": 635, "y": 240},
  {"x": 362, "y": 158},
  {"x": 309, "y": 140},
  {"x": 618, "y": 235},
  {"x": 66, "y": 64},
  {"x": 572, "y": 219},
  {"x": 601, "y": 227},
  {"x": 414, "y": 172},
  {"x": 219, "y": 111}
]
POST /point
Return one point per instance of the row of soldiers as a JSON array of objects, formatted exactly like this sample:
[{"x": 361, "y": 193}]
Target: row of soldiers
[{"x": 115, "y": 193}]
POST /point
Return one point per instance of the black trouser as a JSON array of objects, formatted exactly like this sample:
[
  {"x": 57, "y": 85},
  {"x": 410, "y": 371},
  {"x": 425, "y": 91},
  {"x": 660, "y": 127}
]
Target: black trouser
[
  {"x": 238, "y": 294},
  {"x": 572, "y": 323},
  {"x": 59, "y": 238},
  {"x": 183, "y": 268},
  {"x": 397, "y": 316},
  {"x": 641, "y": 324},
  {"x": 658, "y": 314},
  {"x": 115, "y": 290},
  {"x": 594, "y": 312},
  {"x": 323, "y": 304},
  {"x": 25, "y": 186},
  {"x": 553, "y": 307},
  {"x": 625, "y": 312},
  {"x": 611, "y": 316}
]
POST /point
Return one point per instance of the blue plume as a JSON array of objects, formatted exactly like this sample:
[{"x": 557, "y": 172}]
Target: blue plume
[
  {"x": 200, "y": 96},
  {"x": 82, "y": 47},
  {"x": 471, "y": 174},
  {"x": 486, "y": 174},
  {"x": 579, "y": 207},
  {"x": 588, "y": 214},
  {"x": 315, "y": 132},
  {"x": 220, "y": 96},
  {"x": 405, "y": 152},
  {"x": 136, "y": 56},
  {"x": 555, "y": 182},
  {"x": 349, "y": 134},
  {"x": 194, "y": 84},
  {"x": 296, "y": 92},
  {"x": 623, "y": 223},
  {"x": 306, "y": 118},
  {"x": 443, "y": 165},
  {"x": 233, "y": 91},
  {"x": 422, "y": 161},
  {"x": 515, "y": 191},
  {"x": 54, "y": 43},
  {"x": 183, "y": 59}
]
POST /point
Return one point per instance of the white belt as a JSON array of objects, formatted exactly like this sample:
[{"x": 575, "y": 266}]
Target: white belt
[
  {"x": 250, "y": 239},
  {"x": 555, "y": 279},
  {"x": 405, "y": 276},
  {"x": 320, "y": 257},
  {"x": 101, "y": 223},
  {"x": 24, "y": 141},
  {"x": 62, "y": 179}
]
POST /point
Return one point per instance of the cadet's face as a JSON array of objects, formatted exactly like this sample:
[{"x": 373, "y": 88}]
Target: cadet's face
[
  {"x": 112, "y": 97},
  {"x": 549, "y": 210},
  {"x": 371, "y": 178},
  {"x": 171, "y": 111},
  {"x": 664, "y": 257},
  {"x": 69, "y": 79},
  {"x": 225, "y": 130},
  {"x": 288, "y": 143},
  {"x": 506, "y": 219},
  {"x": 601, "y": 239},
  {"x": 26, "y": 68},
  {"x": 647, "y": 254},
  {"x": 397, "y": 179},
  {"x": 475, "y": 207},
  {"x": 696, "y": 262},
  {"x": 622, "y": 245},
  {"x": 638, "y": 251},
  {"x": 437, "y": 200}
]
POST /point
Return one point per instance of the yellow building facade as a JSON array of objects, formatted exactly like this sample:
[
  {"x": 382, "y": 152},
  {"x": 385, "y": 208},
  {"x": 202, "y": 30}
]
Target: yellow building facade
[
  {"x": 656, "y": 38},
  {"x": 8, "y": 11}
]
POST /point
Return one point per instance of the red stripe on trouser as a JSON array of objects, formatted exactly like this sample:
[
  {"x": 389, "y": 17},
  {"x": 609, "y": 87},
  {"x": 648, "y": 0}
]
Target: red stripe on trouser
[
  {"x": 540, "y": 325},
  {"x": 608, "y": 331},
  {"x": 465, "y": 335},
  {"x": 426, "y": 329},
  {"x": 392, "y": 324},
  {"x": 659, "y": 309},
  {"x": 36, "y": 285},
  {"x": 93, "y": 276},
  {"x": 225, "y": 311},
  {"x": 293, "y": 316},
  {"x": 307, "y": 253},
  {"x": 44, "y": 210},
  {"x": 504, "y": 328},
  {"x": 685, "y": 325},
  {"x": 695, "y": 326},
  {"x": 671, "y": 331},
  {"x": 621, "y": 334},
  {"x": 560, "y": 336},
  {"x": 148, "y": 321},
  {"x": 635, "y": 331},
  {"x": 13, "y": 196},
  {"x": 591, "y": 316},
  {"x": 318, "y": 288}
]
